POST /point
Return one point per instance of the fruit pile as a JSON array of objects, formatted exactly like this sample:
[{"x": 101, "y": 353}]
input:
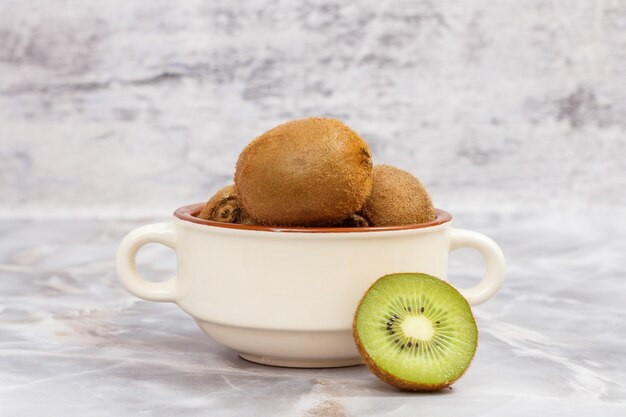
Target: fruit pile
[
  {"x": 412, "y": 330},
  {"x": 317, "y": 172}
]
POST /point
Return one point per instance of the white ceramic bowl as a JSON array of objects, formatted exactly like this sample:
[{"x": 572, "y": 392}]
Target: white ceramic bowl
[{"x": 287, "y": 296}]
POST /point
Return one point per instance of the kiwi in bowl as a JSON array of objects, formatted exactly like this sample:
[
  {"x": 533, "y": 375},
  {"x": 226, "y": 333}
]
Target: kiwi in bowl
[
  {"x": 397, "y": 198},
  {"x": 309, "y": 172}
]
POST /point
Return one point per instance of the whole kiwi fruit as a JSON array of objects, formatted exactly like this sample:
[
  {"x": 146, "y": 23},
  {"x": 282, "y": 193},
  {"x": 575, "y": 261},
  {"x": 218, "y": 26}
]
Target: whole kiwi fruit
[
  {"x": 308, "y": 172},
  {"x": 224, "y": 206},
  {"x": 397, "y": 198}
]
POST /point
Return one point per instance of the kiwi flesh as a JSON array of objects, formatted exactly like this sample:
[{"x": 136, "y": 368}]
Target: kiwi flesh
[
  {"x": 225, "y": 206},
  {"x": 308, "y": 172},
  {"x": 397, "y": 198},
  {"x": 415, "y": 331}
]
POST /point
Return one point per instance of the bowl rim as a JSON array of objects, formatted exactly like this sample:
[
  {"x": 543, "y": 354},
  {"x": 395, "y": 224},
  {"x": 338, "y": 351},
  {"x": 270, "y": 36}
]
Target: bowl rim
[{"x": 188, "y": 213}]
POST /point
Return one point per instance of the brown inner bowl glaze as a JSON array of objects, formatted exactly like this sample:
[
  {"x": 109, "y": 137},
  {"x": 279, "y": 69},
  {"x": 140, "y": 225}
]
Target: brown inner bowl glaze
[{"x": 189, "y": 213}]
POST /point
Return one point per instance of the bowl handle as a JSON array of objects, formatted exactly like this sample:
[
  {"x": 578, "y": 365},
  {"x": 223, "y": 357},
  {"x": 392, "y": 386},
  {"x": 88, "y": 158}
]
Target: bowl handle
[
  {"x": 162, "y": 233},
  {"x": 494, "y": 264}
]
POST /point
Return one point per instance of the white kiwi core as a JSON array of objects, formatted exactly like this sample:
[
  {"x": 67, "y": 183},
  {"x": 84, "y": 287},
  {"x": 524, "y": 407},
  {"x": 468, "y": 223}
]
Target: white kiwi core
[{"x": 418, "y": 327}]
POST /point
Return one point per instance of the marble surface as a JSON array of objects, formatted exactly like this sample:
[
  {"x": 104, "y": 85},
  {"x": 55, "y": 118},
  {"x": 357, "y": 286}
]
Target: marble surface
[{"x": 74, "y": 343}]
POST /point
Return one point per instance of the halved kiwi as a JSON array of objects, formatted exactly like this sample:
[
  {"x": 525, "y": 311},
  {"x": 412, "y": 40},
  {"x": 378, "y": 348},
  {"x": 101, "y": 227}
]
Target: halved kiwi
[{"x": 415, "y": 331}]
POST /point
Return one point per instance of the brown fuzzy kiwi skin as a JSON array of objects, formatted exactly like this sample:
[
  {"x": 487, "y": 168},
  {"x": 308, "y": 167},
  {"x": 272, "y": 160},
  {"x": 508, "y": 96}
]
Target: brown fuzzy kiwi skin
[
  {"x": 397, "y": 198},
  {"x": 386, "y": 376},
  {"x": 355, "y": 220},
  {"x": 225, "y": 206},
  {"x": 307, "y": 172}
]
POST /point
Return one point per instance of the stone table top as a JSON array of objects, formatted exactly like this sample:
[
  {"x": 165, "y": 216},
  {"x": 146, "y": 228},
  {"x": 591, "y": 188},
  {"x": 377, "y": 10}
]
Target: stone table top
[{"x": 73, "y": 342}]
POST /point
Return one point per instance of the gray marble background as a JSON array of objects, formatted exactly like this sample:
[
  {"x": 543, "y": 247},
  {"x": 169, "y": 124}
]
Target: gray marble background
[
  {"x": 120, "y": 108},
  {"x": 513, "y": 114}
]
